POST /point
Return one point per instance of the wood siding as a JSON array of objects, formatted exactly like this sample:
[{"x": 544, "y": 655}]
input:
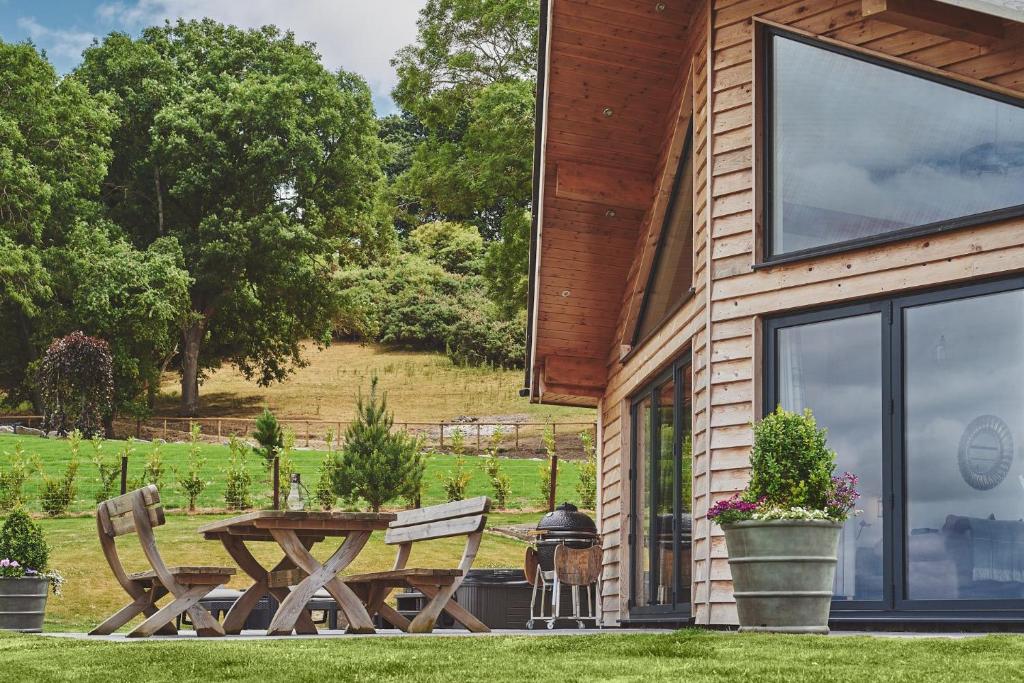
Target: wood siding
[{"x": 720, "y": 324}]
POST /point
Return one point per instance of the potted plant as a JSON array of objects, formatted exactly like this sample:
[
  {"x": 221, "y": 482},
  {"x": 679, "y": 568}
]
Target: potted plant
[
  {"x": 782, "y": 532},
  {"x": 24, "y": 577}
]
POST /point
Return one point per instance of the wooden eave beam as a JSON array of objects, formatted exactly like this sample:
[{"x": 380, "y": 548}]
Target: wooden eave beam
[
  {"x": 575, "y": 371},
  {"x": 948, "y": 21}
]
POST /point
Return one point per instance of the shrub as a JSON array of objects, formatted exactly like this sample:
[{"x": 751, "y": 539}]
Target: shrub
[
  {"x": 456, "y": 481},
  {"x": 59, "y": 492},
  {"x": 13, "y": 478},
  {"x": 152, "y": 470},
  {"x": 192, "y": 482},
  {"x": 238, "y": 482},
  {"x": 376, "y": 464},
  {"x": 107, "y": 469},
  {"x": 586, "y": 486},
  {"x": 790, "y": 463},
  {"x": 76, "y": 382},
  {"x": 458, "y": 441},
  {"x": 545, "y": 469},
  {"x": 501, "y": 483},
  {"x": 21, "y": 540},
  {"x": 456, "y": 247},
  {"x": 269, "y": 436},
  {"x": 791, "y": 475},
  {"x": 324, "y": 492}
]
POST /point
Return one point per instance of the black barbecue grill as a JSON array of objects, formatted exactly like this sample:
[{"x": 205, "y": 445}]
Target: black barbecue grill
[{"x": 566, "y": 524}]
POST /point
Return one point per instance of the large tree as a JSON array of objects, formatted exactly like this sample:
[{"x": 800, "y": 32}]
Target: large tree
[
  {"x": 54, "y": 150},
  {"x": 468, "y": 83},
  {"x": 263, "y": 165}
]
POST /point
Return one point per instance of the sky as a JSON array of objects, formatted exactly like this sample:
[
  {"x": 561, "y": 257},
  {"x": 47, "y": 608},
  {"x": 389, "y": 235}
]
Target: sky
[{"x": 358, "y": 35}]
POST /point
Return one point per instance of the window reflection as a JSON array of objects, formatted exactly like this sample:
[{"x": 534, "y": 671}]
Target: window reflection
[
  {"x": 965, "y": 479},
  {"x": 861, "y": 149},
  {"x": 834, "y": 368}
]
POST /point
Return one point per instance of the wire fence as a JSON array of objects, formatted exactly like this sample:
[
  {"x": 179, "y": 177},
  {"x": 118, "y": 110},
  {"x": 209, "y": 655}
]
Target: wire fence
[{"x": 511, "y": 438}]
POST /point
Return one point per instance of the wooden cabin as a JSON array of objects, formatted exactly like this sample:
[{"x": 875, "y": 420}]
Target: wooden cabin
[{"x": 815, "y": 204}]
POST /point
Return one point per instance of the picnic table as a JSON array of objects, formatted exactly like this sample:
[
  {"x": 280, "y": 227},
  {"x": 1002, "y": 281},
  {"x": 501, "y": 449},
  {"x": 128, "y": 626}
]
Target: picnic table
[{"x": 296, "y": 533}]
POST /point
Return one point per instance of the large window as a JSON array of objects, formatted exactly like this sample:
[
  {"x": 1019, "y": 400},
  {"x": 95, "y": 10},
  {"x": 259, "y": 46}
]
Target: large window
[
  {"x": 660, "y": 473},
  {"x": 672, "y": 273},
  {"x": 860, "y": 150},
  {"x": 923, "y": 397}
]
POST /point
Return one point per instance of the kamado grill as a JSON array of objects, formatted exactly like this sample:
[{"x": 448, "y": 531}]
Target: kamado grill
[{"x": 568, "y": 552}]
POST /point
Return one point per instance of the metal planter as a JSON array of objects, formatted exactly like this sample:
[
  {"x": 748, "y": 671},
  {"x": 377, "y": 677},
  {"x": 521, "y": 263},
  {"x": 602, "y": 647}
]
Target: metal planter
[
  {"x": 23, "y": 604},
  {"x": 783, "y": 573}
]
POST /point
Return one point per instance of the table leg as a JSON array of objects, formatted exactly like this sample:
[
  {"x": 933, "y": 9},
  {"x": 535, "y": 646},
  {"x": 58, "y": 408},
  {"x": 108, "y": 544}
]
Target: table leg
[
  {"x": 243, "y": 607},
  {"x": 321, "y": 576}
]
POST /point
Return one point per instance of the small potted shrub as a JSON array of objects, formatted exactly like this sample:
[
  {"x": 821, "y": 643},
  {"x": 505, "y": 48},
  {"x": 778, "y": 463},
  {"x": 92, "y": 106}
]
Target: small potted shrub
[
  {"x": 24, "y": 578},
  {"x": 782, "y": 532}
]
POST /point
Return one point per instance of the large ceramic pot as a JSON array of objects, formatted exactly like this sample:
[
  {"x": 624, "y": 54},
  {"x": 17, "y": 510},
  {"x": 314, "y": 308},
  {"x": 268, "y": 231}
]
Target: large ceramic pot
[
  {"x": 23, "y": 604},
  {"x": 782, "y": 573}
]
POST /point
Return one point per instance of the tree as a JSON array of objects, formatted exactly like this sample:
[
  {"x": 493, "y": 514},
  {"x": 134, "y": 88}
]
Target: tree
[
  {"x": 76, "y": 380},
  {"x": 376, "y": 464},
  {"x": 54, "y": 151},
  {"x": 456, "y": 247},
  {"x": 269, "y": 436},
  {"x": 468, "y": 80},
  {"x": 264, "y": 166}
]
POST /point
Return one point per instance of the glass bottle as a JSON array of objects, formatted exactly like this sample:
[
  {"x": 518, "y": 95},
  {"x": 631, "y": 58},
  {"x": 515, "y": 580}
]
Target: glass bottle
[{"x": 295, "y": 500}]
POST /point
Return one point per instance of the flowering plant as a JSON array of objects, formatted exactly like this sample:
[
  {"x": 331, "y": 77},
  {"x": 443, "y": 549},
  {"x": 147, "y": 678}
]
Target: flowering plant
[
  {"x": 12, "y": 569},
  {"x": 791, "y": 475}
]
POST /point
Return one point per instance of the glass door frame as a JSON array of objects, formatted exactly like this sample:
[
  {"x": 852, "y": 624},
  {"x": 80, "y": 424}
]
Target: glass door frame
[
  {"x": 677, "y": 610},
  {"x": 895, "y": 603}
]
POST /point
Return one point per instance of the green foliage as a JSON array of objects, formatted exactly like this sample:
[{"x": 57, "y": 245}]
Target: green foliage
[
  {"x": 108, "y": 470},
  {"x": 76, "y": 381},
  {"x": 264, "y": 166},
  {"x": 238, "y": 485},
  {"x": 412, "y": 303},
  {"x": 458, "y": 441},
  {"x": 152, "y": 470},
  {"x": 376, "y": 464},
  {"x": 790, "y": 463},
  {"x": 22, "y": 540},
  {"x": 268, "y": 435},
  {"x": 545, "y": 469},
  {"x": 191, "y": 481},
  {"x": 586, "y": 485},
  {"x": 286, "y": 461},
  {"x": 324, "y": 492},
  {"x": 57, "y": 493},
  {"x": 12, "y": 479},
  {"x": 466, "y": 89},
  {"x": 456, "y": 247},
  {"x": 456, "y": 481},
  {"x": 501, "y": 483}
]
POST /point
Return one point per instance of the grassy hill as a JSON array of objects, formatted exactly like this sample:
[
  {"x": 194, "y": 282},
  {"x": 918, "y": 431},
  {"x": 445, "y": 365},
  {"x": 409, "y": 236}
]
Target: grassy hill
[{"x": 421, "y": 386}]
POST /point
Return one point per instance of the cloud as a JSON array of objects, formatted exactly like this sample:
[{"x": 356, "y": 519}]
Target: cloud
[
  {"x": 59, "y": 43},
  {"x": 355, "y": 35}
]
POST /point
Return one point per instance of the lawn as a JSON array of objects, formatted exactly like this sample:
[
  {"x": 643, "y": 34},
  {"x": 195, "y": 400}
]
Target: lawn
[
  {"x": 692, "y": 656},
  {"x": 91, "y": 593},
  {"x": 53, "y": 455}
]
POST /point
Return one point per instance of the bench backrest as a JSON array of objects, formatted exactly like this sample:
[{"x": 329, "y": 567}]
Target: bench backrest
[
  {"x": 117, "y": 515},
  {"x": 460, "y": 518}
]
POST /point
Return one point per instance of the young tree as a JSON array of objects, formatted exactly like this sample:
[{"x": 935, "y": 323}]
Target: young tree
[
  {"x": 376, "y": 464},
  {"x": 77, "y": 384},
  {"x": 261, "y": 164},
  {"x": 269, "y": 436}
]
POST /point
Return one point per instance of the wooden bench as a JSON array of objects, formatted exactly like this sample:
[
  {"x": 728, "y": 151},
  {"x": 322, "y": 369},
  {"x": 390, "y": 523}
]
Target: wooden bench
[
  {"x": 461, "y": 518},
  {"x": 138, "y": 512}
]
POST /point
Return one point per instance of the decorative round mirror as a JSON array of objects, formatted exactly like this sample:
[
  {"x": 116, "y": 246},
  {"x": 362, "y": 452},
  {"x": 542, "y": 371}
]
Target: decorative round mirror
[{"x": 986, "y": 452}]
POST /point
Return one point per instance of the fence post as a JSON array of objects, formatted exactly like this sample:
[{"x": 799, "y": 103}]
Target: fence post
[
  {"x": 553, "y": 483},
  {"x": 478, "y": 437},
  {"x": 441, "y": 445},
  {"x": 164, "y": 437},
  {"x": 124, "y": 473},
  {"x": 307, "y": 434},
  {"x": 337, "y": 436},
  {"x": 277, "y": 483},
  {"x": 218, "y": 427},
  {"x": 517, "y": 436}
]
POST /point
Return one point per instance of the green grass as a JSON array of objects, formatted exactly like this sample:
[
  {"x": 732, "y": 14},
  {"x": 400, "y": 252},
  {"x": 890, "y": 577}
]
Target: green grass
[
  {"x": 692, "y": 656},
  {"x": 53, "y": 454},
  {"x": 91, "y": 593}
]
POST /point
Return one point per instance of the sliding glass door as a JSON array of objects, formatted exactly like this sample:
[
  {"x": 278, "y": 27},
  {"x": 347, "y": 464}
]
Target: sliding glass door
[
  {"x": 923, "y": 397},
  {"x": 660, "y": 474}
]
